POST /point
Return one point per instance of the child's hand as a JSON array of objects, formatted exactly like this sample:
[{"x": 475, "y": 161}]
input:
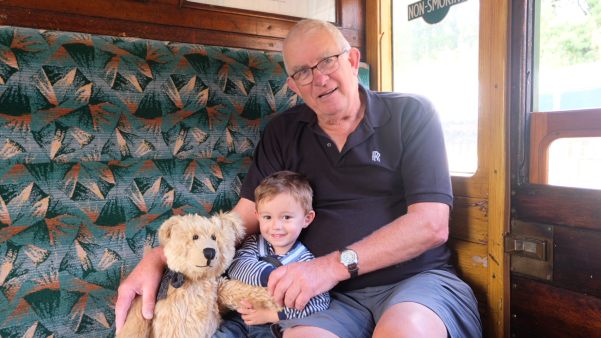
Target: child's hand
[{"x": 252, "y": 316}]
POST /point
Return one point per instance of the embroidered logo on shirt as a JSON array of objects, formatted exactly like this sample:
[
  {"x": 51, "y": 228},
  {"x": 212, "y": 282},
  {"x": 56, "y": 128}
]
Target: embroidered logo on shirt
[{"x": 375, "y": 156}]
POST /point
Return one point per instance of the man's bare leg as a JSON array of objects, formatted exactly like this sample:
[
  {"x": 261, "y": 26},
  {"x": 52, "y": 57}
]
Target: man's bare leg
[{"x": 410, "y": 320}]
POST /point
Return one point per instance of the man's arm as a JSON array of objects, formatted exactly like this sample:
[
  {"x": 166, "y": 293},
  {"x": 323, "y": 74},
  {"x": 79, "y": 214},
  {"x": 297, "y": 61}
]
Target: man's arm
[
  {"x": 145, "y": 278},
  {"x": 425, "y": 226},
  {"x": 245, "y": 208}
]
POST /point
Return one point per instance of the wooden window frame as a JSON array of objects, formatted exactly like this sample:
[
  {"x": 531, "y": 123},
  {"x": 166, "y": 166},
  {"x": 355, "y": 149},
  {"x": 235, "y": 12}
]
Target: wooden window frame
[{"x": 547, "y": 127}]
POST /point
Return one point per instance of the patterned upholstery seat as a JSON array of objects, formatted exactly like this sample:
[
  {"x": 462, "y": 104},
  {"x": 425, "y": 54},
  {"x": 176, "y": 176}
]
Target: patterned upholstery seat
[{"x": 101, "y": 139}]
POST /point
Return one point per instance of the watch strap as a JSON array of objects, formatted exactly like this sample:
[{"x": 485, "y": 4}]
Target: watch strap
[{"x": 352, "y": 268}]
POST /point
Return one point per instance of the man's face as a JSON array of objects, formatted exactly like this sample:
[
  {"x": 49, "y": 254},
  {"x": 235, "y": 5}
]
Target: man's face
[{"x": 330, "y": 95}]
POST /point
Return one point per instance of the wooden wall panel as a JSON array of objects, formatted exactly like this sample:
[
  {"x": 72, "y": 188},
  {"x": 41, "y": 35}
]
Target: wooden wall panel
[
  {"x": 471, "y": 262},
  {"x": 469, "y": 219},
  {"x": 541, "y": 310},
  {"x": 577, "y": 260},
  {"x": 169, "y": 21},
  {"x": 558, "y": 205}
]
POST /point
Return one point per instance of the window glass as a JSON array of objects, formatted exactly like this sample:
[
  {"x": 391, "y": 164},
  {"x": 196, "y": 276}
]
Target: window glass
[
  {"x": 569, "y": 55},
  {"x": 575, "y": 162},
  {"x": 440, "y": 62},
  {"x": 567, "y": 65}
]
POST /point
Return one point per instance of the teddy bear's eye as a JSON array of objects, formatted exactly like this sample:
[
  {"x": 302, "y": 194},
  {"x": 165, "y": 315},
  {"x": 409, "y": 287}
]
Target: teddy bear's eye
[
  {"x": 213, "y": 237},
  {"x": 195, "y": 237}
]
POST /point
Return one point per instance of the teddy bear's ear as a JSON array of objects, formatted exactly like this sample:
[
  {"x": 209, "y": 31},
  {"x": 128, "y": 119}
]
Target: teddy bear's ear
[
  {"x": 233, "y": 221},
  {"x": 166, "y": 227}
]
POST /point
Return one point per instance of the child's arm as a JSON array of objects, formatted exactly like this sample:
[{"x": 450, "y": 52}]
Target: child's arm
[
  {"x": 252, "y": 316},
  {"x": 246, "y": 265}
]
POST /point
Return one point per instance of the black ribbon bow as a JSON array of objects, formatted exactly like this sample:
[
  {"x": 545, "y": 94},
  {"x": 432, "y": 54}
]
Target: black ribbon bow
[{"x": 170, "y": 277}]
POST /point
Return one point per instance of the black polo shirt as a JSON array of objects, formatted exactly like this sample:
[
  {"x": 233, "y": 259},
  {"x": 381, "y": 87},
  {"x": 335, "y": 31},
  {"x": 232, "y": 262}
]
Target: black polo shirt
[{"x": 395, "y": 157}]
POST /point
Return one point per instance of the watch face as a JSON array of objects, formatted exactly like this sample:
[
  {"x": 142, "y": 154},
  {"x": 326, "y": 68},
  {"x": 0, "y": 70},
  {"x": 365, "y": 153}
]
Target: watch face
[{"x": 348, "y": 257}]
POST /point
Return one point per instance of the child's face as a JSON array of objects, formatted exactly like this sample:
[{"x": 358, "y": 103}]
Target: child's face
[{"x": 281, "y": 220}]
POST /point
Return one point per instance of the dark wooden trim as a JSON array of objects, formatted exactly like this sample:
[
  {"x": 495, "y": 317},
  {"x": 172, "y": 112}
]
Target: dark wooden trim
[
  {"x": 212, "y": 8},
  {"x": 66, "y": 22},
  {"x": 166, "y": 20},
  {"x": 541, "y": 310},
  {"x": 557, "y": 205},
  {"x": 520, "y": 87}
]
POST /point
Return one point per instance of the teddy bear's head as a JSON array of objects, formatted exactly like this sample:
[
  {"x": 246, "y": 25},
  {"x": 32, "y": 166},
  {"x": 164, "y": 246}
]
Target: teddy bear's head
[{"x": 200, "y": 247}]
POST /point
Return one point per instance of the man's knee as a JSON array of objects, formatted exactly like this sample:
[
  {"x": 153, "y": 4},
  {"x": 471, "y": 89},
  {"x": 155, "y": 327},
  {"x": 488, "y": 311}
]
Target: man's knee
[
  {"x": 410, "y": 320},
  {"x": 307, "y": 331}
]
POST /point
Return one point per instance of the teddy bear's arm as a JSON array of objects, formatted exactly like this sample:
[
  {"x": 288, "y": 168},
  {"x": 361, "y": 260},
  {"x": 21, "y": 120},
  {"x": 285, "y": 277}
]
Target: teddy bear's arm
[{"x": 232, "y": 292}]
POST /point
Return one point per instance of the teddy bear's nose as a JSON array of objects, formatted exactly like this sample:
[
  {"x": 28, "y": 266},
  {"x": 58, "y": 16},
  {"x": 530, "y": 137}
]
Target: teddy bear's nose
[{"x": 209, "y": 253}]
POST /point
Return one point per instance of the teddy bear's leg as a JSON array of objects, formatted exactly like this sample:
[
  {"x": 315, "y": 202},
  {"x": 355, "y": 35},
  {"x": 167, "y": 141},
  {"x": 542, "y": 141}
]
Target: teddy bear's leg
[
  {"x": 231, "y": 292},
  {"x": 135, "y": 324}
]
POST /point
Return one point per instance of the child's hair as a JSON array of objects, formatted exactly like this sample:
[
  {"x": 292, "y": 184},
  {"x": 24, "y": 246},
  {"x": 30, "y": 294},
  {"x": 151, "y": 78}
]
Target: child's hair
[{"x": 295, "y": 184}]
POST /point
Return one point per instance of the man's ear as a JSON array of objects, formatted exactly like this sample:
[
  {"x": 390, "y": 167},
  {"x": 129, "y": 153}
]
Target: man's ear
[
  {"x": 354, "y": 58},
  {"x": 292, "y": 85},
  {"x": 166, "y": 228}
]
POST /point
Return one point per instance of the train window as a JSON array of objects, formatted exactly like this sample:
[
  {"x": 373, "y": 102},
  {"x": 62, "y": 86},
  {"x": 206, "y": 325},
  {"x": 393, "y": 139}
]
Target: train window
[
  {"x": 566, "y": 126},
  {"x": 569, "y": 52},
  {"x": 575, "y": 162},
  {"x": 440, "y": 61}
]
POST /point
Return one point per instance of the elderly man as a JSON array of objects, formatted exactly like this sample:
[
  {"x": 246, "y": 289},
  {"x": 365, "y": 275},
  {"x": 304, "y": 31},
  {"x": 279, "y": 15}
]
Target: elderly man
[{"x": 382, "y": 190}]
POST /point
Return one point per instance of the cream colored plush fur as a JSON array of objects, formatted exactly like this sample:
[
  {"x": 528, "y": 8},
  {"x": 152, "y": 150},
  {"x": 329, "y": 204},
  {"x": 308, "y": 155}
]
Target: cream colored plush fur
[{"x": 192, "y": 310}]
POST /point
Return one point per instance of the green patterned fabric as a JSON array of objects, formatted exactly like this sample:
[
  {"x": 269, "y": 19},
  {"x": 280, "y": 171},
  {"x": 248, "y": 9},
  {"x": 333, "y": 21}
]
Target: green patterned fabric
[{"x": 101, "y": 139}]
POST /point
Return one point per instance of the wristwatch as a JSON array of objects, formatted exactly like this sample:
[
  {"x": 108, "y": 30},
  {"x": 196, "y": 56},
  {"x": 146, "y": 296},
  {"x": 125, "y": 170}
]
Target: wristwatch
[{"x": 350, "y": 259}]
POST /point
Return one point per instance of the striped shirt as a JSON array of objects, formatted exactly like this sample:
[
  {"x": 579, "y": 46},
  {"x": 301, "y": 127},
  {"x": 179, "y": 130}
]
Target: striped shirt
[{"x": 251, "y": 265}]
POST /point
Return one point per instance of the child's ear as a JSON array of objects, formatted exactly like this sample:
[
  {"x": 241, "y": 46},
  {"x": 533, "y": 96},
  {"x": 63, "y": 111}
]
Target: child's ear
[{"x": 309, "y": 217}]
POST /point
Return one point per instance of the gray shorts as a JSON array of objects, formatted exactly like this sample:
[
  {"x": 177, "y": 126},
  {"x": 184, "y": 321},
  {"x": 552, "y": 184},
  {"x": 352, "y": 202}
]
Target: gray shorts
[{"x": 353, "y": 314}]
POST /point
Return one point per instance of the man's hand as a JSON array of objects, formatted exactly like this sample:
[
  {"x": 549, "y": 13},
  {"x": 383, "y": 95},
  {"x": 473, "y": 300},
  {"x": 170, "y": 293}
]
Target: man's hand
[
  {"x": 143, "y": 280},
  {"x": 294, "y": 284},
  {"x": 256, "y": 316}
]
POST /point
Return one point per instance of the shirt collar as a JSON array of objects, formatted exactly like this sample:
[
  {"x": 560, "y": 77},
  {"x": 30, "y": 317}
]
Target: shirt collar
[
  {"x": 375, "y": 116},
  {"x": 266, "y": 249}
]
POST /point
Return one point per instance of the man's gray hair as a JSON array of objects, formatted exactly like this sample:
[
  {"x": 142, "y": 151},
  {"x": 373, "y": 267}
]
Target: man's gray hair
[{"x": 308, "y": 25}]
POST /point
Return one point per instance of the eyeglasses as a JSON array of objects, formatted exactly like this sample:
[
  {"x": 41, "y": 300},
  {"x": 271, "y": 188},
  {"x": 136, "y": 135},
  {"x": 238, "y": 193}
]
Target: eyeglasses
[{"x": 326, "y": 66}]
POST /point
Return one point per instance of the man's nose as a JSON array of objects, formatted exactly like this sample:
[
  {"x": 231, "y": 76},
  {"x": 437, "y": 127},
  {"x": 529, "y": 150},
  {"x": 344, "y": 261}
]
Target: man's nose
[{"x": 319, "y": 78}]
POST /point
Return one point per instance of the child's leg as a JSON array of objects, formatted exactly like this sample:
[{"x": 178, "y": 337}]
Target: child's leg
[{"x": 232, "y": 326}]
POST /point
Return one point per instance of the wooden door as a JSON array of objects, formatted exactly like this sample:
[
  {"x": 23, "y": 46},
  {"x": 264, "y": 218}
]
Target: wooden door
[
  {"x": 480, "y": 213},
  {"x": 558, "y": 295}
]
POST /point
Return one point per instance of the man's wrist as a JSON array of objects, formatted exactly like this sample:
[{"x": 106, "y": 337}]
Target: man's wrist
[
  {"x": 338, "y": 270},
  {"x": 158, "y": 255},
  {"x": 350, "y": 260}
]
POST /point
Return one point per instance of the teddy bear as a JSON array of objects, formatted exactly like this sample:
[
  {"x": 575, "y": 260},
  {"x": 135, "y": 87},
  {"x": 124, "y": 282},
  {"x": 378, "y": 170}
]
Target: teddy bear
[{"x": 193, "y": 291}]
